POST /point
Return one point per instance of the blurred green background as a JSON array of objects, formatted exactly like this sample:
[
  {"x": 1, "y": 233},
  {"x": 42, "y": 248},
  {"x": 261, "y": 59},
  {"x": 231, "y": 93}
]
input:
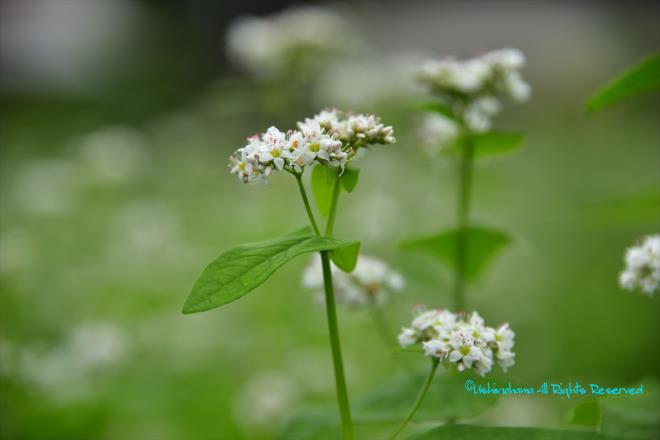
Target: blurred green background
[{"x": 116, "y": 122}]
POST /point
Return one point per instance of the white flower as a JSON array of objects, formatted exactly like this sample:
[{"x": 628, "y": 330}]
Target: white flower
[
  {"x": 642, "y": 269},
  {"x": 407, "y": 337},
  {"x": 505, "y": 59},
  {"x": 479, "y": 113},
  {"x": 474, "y": 88},
  {"x": 436, "y": 133},
  {"x": 353, "y": 129},
  {"x": 297, "y": 38},
  {"x": 464, "y": 341},
  {"x": 436, "y": 348},
  {"x": 330, "y": 139},
  {"x": 370, "y": 281}
]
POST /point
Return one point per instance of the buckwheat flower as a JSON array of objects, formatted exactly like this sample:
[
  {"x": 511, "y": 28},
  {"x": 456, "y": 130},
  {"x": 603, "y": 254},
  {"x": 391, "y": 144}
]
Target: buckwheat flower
[
  {"x": 330, "y": 139},
  {"x": 294, "y": 40},
  {"x": 427, "y": 325},
  {"x": 475, "y": 88},
  {"x": 505, "y": 59},
  {"x": 453, "y": 75},
  {"x": 479, "y": 113},
  {"x": 371, "y": 281},
  {"x": 642, "y": 269},
  {"x": 515, "y": 88},
  {"x": 355, "y": 130},
  {"x": 463, "y": 341},
  {"x": 437, "y": 133}
]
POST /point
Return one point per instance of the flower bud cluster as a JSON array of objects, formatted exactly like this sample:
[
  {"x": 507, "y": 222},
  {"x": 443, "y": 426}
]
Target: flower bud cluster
[{"x": 461, "y": 340}]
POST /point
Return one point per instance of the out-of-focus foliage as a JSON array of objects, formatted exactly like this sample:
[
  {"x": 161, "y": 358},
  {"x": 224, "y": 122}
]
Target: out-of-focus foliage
[{"x": 642, "y": 77}]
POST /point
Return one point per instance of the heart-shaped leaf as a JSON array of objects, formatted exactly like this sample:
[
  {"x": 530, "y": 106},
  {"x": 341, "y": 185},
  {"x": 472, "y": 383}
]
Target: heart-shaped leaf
[
  {"x": 482, "y": 246},
  {"x": 644, "y": 76},
  {"x": 323, "y": 184},
  {"x": 349, "y": 178},
  {"x": 243, "y": 268},
  {"x": 471, "y": 432},
  {"x": 346, "y": 258}
]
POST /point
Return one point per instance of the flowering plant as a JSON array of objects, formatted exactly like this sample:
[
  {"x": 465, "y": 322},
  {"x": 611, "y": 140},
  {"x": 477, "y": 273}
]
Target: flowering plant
[{"x": 327, "y": 142}]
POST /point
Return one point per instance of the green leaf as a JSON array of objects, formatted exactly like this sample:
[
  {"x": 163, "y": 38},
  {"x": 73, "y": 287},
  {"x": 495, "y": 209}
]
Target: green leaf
[
  {"x": 471, "y": 432},
  {"x": 445, "y": 399},
  {"x": 243, "y": 268},
  {"x": 349, "y": 178},
  {"x": 495, "y": 143},
  {"x": 312, "y": 425},
  {"x": 586, "y": 413},
  {"x": 437, "y": 107},
  {"x": 635, "y": 416},
  {"x": 346, "y": 258},
  {"x": 323, "y": 184},
  {"x": 482, "y": 246},
  {"x": 642, "y": 77}
]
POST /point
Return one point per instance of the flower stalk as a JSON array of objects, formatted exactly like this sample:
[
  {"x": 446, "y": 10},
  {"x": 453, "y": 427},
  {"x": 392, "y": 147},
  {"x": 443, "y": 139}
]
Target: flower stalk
[
  {"x": 420, "y": 398},
  {"x": 331, "y": 310}
]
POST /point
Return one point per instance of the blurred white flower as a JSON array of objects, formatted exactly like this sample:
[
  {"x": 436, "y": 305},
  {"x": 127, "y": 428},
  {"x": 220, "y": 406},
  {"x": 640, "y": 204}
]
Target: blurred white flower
[
  {"x": 145, "y": 228},
  {"x": 479, "y": 113},
  {"x": 371, "y": 280},
  {"x": 265, "y": 399},
  {"x": 293, "y": 39},
  {"x": 47, "y": 186},
  {"x": 474, "y": 88},
  {"x": 330, "y": 138},
  {"x": 68, "y": 370},
  {"x": 437, "y": 133},
  {"x": 114, "y": 154},
  {"x": 463, "y": 341},
  {"x": 364, "y": 83},
  {"x": 642, "y": 269},
  {"x": 16, "y": 251}
]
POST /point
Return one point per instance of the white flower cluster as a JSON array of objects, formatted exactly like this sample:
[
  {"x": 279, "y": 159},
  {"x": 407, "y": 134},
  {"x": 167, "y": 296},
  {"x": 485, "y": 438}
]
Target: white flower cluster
[
  {"x": 474, "y": 88},
  {"x": 371, "y": 280},
  {"x": 464, "y": 341},
  {"x": 287, "y": 40},
  {"x": 642, "y": 269},
  {"x": 330, "y": 138}
]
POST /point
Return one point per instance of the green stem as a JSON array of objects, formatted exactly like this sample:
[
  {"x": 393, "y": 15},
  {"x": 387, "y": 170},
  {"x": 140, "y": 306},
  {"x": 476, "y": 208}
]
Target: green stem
[
  {"x": 462, "y": 222},
  {"x": 420, "y": 398},
  {"x": 329, "y": 227},
  {"x": 331, "y": 311},
  {"x": 308, "y": 208},
  {"x": 333, "y": 328}
]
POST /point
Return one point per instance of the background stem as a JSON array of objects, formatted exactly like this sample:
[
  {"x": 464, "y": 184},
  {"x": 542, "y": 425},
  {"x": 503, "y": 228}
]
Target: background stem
[
  {"x": 420, "y": 398},
  {"x": 462, "y": 222}
]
